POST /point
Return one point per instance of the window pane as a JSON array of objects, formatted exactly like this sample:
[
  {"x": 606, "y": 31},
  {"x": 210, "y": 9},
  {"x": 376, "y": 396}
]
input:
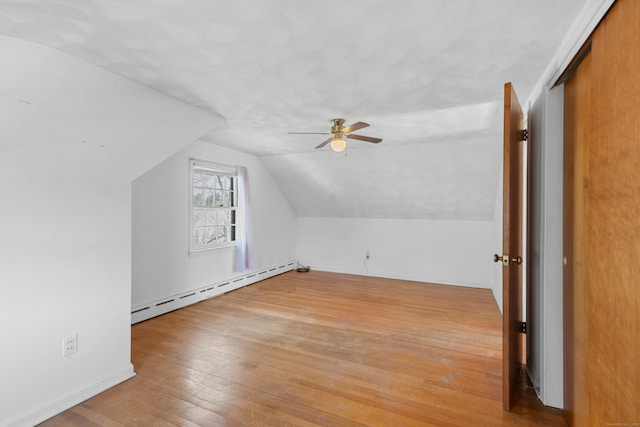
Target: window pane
[
  {"x": 208, "y": 182},
  {"x": 223, "y": 198},
  {"x": 212, "y": 234},
  {"x": 198, "y": 236},
  {"x": 212, "y": 206},
  {"x": 227, "y": 233},
  {"x": 226, "y": 182},
  {"x": 225, "y": 217},
  {"x": 221, "y": 236},
  {"x": 211, "y": 217},
  {"x": 198, "y": 197},
  {"x": 196, "y": 179},
  {"x": 209, "y": 198},
  {"x": 199, "y": 217}
]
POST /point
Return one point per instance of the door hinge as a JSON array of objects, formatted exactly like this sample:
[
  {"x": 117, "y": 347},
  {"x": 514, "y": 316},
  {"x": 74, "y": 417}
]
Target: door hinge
[
  {"x": 525, "y": 134},
  {"x": 523, "y": 327}
]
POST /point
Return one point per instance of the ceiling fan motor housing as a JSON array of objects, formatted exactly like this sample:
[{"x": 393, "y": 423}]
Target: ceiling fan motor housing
[{"x": 337, "y": 126}]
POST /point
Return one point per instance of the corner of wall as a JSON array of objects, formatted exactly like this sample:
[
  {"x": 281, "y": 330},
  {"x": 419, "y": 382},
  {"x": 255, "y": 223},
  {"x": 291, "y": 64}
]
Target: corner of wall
[{"x": 162, "y": 267}]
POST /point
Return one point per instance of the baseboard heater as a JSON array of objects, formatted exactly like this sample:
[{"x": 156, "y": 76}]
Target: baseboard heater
[{"x": 192, "y": 296}]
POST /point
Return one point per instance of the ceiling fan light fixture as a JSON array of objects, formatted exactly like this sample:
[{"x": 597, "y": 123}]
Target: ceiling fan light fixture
[
  {"x": 338, "y": 144},
  {"x": 337, "y": 140}
]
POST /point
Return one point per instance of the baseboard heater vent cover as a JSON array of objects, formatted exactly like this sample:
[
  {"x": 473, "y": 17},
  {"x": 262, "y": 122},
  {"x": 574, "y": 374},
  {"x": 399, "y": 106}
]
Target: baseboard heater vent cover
[{"x": 151, "y": 309}]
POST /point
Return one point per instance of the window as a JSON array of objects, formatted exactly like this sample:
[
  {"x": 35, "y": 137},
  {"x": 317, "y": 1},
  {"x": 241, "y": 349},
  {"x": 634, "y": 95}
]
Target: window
[{"x": 213, "y": 206}]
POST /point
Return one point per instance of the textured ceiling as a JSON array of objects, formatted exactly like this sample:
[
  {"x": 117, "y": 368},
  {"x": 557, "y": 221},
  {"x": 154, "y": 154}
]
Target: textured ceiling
[{"x": 426, "y": 74}]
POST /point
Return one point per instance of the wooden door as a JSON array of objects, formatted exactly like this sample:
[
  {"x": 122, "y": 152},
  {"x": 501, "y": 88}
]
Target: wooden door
[
  {"x": 512, "y": 354},
  {"x": 602, "y": 226},
  {"x": 577, "y": 107}
]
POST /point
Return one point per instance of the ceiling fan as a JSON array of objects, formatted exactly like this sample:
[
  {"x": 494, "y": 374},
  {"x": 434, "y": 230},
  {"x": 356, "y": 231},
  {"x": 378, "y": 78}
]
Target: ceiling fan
[{"x": 339, "y": 132}]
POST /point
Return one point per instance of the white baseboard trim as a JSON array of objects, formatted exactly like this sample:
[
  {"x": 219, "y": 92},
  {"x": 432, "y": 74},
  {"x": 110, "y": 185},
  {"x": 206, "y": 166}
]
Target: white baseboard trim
[
  {"x": 401, "y": 277},
  {"x": 70, "y": 400},
  {"x": 155, "y": 308}
]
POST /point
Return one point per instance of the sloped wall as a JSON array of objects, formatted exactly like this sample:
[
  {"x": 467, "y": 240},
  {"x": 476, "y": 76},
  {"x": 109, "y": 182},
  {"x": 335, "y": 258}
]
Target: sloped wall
[
  {"x": 162, "y": 266},
  {"x": 72, "y": 139}
]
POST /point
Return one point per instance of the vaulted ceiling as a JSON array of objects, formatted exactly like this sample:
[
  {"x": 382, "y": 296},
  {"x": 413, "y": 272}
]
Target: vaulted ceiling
[{"x": 427, "y": 75}]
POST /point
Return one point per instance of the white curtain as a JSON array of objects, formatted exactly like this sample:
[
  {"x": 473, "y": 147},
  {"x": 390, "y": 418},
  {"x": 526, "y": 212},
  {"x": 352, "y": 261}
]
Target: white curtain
[{"x": 244, "y": 251}]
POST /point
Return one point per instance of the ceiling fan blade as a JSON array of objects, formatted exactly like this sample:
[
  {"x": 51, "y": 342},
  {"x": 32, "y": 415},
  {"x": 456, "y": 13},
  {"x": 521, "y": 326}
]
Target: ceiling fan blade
[
  {"x": 364, "y": 138},
  {"x": 355, "y": 126},
  {"x": 308, "y": 133},
  {"x": 328, "y": 140}
]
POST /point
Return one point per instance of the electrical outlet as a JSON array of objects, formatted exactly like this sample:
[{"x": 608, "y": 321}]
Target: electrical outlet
[{"x": 69, "y": 345}]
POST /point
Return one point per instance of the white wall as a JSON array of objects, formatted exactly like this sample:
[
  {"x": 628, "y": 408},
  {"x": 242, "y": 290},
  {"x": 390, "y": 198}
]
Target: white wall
[
  {"x": 437, "y": 251},
  {"x": 545, "y": 358},
  {"x": 161, "y": 197},
  {"x": 72, "y": 139}
]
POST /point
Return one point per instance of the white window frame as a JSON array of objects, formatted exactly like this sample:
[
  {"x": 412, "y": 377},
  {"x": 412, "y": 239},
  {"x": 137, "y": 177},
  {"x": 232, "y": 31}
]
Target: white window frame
[{"x": 217, "y": 170}]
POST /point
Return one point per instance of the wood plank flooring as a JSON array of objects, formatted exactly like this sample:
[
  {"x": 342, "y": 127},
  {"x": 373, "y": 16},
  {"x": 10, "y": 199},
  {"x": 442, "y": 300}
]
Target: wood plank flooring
[{"x": 319, "y": 349}]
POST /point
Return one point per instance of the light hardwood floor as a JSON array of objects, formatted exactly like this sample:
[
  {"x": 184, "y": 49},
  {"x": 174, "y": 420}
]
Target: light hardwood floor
[{"x": 309, "y": 349}]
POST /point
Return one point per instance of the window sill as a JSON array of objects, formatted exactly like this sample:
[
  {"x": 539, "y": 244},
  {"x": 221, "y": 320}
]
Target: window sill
[{"x": 205, "y": 251}]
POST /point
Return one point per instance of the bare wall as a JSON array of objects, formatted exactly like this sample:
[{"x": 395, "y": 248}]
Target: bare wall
[
  {"x": 72, "y": 139},
  {"x": 438, "y": 251}
]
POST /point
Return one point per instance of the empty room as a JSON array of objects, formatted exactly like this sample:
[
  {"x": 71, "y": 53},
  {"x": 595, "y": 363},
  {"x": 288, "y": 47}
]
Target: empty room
[{"x": 356, "y": 213}]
